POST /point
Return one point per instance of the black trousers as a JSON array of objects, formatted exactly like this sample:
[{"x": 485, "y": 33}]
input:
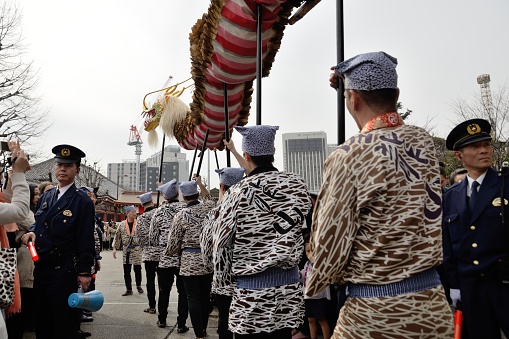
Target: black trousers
[
  {"x": 150, "y": 273},
  {"x": 198, "y": 300},
  {"x": 284, "y": 333},
  {"x": 165, "y": 279},
  {"x": 485, "y": 306},
  {"x": 52, "y": 288},
  {"x": 127, "y": 276},
  {"x": 223, "y": 303}
]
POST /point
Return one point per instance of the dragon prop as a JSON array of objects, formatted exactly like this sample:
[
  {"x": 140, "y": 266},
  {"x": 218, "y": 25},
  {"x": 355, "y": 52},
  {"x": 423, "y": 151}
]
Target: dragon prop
[{"x": 223, "y": 54}]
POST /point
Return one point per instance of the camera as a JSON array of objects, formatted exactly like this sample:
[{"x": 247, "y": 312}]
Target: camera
[{"x": 11, "y": 161}]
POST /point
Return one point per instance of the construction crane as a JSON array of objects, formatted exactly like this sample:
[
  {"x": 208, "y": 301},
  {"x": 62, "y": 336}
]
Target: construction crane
[{"x": 135, "y": 140}]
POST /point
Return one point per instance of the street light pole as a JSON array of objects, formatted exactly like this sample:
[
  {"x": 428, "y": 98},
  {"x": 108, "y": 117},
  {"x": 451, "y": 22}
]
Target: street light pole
[{"x": 118, "y": 178}]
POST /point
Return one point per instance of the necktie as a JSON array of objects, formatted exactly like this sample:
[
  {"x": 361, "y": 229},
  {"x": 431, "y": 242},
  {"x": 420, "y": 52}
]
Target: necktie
[
  {"x": 55, "y": 197},
  {"x": 473, "y": 196}
]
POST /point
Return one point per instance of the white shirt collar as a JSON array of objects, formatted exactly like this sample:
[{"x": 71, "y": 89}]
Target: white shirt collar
[
  {"x": 62, "y": 190},
  {"x": 479, "y": 180}
]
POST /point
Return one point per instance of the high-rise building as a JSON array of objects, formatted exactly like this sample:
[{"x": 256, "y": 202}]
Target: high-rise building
[
  {"x": 175, "y": 166},
  {"x": 305, "y": 153}
]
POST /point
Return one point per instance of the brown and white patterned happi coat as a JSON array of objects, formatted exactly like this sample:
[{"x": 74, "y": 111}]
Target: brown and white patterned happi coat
[
  {"x": 260, "y": 220},
  {"x": 160, "y": 229},
  {"x": 149, "y": 252},
  {"x": 377, "y": 220},
  {"x": 185, "y": 233},
  {"x": 121, "y": 237}
]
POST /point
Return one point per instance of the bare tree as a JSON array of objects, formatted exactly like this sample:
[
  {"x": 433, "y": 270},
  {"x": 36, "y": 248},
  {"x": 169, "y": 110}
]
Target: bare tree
[
  {"x": 497, "y": 115},
  {"x": 90, "y": 175},
  {"x": 20, "y": 114}
]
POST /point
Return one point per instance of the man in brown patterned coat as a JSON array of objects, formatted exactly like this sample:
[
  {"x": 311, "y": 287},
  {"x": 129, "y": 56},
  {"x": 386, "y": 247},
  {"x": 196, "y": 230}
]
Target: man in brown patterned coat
[
  {"x": 377, "y": 220},
  {"x": 125, "y": 238}
]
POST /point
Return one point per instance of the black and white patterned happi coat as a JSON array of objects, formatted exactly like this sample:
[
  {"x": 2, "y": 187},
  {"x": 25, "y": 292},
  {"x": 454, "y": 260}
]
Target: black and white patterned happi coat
[
  {"x": 159, "y": 230},
  {"x": 260, "y": 221}
]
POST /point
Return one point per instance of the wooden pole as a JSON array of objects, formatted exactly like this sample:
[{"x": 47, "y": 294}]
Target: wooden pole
[
  {"x": 258, "y": 67},
  {"x": 340, "y": 29},
  {"x": 203, "y": 148},
  {"x": 161, "y": 168},
  {"x": 226, "y": 125},
  {"x": 192, "y": 165}
]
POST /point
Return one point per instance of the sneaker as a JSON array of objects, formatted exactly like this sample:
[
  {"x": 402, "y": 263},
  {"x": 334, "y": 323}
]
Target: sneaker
[
  {"x": 140, "y": 290},
  {"x": 127, "y": 292},
  {"x": 160, "y": 324},
  {"x": 86, "y": 319},
  {"x": 182, "y": 329},
  {"x": 150, "y": 310}
]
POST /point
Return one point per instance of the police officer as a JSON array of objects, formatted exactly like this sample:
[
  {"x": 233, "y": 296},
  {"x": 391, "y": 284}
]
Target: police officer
[
  {"x": 63, "y": 234},
  {"x": 476, "y": 239}
]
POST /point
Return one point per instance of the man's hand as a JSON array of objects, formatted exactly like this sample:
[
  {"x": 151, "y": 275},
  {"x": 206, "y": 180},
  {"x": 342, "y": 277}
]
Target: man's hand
[
  {"x": 455, "y": 296},
  {"x": 84, "y": 282},
  {"x": 114, "y": 253},
  {"x": 334, "y": 79},
  {"x": 18, "y": 158},
  {"x": 97, "y": 265},
  {"x": 230, "y": 145},
  {"x": 198, "y": 179},
  {"x": 26, "y": 236}
]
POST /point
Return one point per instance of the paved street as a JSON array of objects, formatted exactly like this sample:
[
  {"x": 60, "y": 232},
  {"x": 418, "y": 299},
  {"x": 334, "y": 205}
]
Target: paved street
[{"x": 123, "y": 317}]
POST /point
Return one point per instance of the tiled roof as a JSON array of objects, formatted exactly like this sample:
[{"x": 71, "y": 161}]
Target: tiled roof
[{"x": 45, "y": 171}]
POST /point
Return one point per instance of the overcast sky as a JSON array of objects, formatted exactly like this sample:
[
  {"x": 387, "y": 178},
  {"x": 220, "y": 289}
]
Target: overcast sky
[{"x": 97, "y": 59}]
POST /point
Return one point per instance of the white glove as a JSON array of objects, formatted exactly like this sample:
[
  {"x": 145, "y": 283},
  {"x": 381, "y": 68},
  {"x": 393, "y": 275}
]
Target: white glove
[{"x": 455, "y": 295}]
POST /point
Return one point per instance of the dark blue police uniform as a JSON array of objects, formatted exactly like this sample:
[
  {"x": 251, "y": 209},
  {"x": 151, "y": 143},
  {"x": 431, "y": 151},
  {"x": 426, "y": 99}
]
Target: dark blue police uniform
[
  {"x": 476, "y": 244},
  {"x": 65, "y": 244}
]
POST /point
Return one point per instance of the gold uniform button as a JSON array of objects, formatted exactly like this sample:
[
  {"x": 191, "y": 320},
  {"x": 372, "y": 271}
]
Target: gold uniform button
[
  {"x": 474, "y": 245},
  {"x": 65, "y": 221},
  {"x": 476, "y": 262},
  {"x": 40, "y": 235},
  {"x": 45, "y": 223},
  {"x": 472, "y": 228}
]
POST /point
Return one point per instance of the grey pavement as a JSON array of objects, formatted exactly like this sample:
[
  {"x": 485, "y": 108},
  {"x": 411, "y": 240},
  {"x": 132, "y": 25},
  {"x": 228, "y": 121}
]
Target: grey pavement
[{"x": 123, "y": 317}]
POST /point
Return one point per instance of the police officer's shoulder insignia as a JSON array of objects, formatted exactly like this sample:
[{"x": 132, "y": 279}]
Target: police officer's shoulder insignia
[
  {"x": 67, "y": 213},
  {"x": 44, "y": 205},
  {"x": 498, "y": 202}
]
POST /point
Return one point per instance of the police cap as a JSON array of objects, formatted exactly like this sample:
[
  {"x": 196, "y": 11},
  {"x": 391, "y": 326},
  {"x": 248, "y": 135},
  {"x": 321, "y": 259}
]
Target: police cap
[
  {"x": 468, "y": 132},
  {"x": 67, "y": 154}
]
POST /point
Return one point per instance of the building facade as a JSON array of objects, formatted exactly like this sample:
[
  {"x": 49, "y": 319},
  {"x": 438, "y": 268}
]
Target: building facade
[
  {"x": 304, "y": 153},
  {"x": 175, "y": 166}
]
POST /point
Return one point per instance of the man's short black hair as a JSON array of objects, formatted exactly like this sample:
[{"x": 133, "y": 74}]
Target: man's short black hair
[
  {"x": 192, "y": 197},
  {"x": 385, "y": 99},
  {"x": 261, "y": 160}
]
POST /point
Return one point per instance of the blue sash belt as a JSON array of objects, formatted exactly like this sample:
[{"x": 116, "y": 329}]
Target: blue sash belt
[
  {"x": 271, "y": 277},
  {"x": 192, "y": 249},
  {"x": 416, "y": 283}
]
